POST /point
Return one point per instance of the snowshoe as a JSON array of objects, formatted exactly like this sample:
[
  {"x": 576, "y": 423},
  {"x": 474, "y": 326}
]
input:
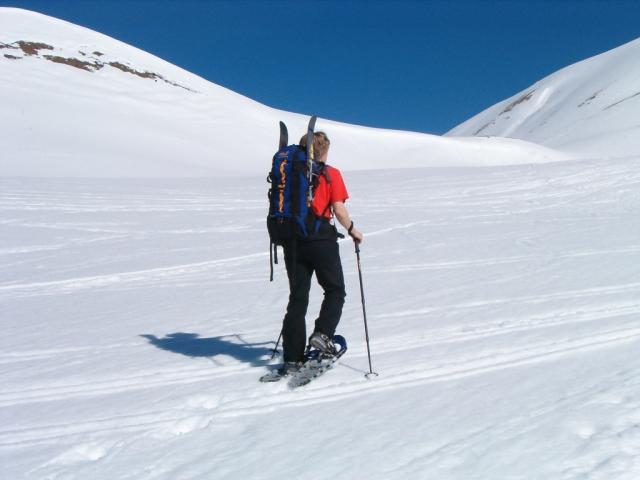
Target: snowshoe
[
  {"x": 318, "y": 362},
  {"x": 285, "y": 370}
]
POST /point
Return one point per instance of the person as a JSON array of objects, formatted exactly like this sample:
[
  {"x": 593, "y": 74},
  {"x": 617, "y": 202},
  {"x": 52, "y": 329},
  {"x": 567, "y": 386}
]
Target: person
[{"x": 317, "y": 253}]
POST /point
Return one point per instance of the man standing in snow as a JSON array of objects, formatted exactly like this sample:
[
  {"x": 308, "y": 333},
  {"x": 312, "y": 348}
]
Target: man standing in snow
[{"x": 317, "y": 253}]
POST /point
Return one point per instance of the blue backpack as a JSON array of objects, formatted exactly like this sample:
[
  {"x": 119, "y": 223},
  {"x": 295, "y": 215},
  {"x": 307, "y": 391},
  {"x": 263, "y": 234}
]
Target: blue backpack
[{"x": 290, "y": 214}]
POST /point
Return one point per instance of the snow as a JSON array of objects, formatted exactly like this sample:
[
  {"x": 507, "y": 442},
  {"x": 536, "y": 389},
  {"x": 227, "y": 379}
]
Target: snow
[
  {"x": 63, "y": 121},
  {"x": 502, "y": 306},
  {"x": 585, "y": 110},
  {"x": 137, "y": 314}
]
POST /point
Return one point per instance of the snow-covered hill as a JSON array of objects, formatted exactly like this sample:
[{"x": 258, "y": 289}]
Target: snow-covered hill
[
  {"x": 137, "y": 316},
  {"x": 78, "y": 103},
  {"x": 590, "y": 109}
]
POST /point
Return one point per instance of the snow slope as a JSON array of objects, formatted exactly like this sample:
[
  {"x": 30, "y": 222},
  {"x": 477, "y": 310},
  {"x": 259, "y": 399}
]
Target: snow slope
[
  {"x": 137, "y": 315},
  {"x": 100, "y": 108},
  {"x": 588, "y": 109},
  {"x": 503, "y": 309}
]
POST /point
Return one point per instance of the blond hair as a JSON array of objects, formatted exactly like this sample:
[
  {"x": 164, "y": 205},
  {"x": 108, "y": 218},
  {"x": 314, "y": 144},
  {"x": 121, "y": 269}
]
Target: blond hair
[{"x": 320, "y": 144}]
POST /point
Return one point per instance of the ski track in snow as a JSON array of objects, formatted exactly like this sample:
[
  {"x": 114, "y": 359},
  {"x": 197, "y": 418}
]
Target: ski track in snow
[
  {"x": 397, "y": 344},
  {"x": 487, "y": 361},
  {"x": 476, "y": 269}
]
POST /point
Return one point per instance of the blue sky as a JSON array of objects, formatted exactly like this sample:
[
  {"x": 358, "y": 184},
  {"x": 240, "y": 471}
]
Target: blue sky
[{"x": 411, "y": 65}]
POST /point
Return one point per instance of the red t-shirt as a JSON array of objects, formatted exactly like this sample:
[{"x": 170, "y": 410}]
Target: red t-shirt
[{"x": 327, "y": 194}]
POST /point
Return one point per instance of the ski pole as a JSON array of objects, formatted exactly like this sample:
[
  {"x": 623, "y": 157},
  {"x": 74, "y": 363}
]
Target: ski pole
[
  {"x": 275, "y": 350},
  {"x": 364, "y": 312}
]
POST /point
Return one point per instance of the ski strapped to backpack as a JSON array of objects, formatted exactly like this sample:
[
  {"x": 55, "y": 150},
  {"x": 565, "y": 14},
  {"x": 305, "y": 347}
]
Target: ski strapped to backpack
[{"x": 293, "y": 177}]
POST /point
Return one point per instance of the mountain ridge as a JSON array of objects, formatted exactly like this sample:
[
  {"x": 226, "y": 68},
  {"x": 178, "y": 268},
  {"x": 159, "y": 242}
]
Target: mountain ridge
[
  {"x": 588, "y": 109},
  {"x": 147, "y": 127}
]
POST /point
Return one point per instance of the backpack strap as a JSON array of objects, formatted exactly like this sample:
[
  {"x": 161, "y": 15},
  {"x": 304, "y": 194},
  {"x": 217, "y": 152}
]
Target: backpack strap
[
  {"x": 325, "y": 173},
  {"x": 273, "y": 258},
  {"x": 271, "y": 261}
]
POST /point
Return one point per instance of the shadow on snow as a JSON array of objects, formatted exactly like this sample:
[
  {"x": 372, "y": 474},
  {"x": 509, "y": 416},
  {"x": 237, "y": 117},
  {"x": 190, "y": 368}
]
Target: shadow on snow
[{"x": 191, "y": 345}]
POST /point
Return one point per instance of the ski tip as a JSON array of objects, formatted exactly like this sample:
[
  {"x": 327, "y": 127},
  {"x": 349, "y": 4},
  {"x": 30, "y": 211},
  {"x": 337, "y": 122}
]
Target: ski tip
[
  {"x": 312, "y": 122},
  {"x": 284, "y": 136}
]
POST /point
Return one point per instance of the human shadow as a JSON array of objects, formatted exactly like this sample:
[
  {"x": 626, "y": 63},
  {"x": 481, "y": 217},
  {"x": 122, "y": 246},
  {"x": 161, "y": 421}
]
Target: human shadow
[{"x": 191, "y": 345}]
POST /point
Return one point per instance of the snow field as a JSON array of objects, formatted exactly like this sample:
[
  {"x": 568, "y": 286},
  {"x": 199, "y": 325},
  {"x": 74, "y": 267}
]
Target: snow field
[
  {"x": 137, "y": 314},
  {"x": 503, "y": 311}
]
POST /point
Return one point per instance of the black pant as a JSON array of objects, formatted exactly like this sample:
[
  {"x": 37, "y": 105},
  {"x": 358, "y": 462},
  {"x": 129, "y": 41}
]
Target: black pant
[{"x": 323, "y": 258}]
